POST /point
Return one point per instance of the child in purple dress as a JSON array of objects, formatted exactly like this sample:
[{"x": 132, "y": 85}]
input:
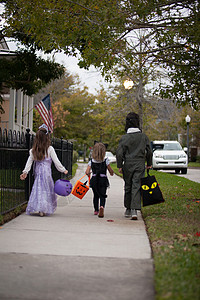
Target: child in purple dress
[{"x": 43, "y": 198}]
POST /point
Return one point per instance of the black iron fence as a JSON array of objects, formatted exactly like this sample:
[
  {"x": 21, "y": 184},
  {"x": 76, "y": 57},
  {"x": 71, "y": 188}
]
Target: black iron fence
[{"x": 14, "y": 152}]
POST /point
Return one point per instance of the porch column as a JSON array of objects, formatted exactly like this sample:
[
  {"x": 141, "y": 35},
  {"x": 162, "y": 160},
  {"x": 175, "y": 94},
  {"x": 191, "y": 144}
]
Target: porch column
[
  {"x": 12, "y": 102},
  {"x": 25, "y": 115},
  {"x": 30, "y": 115},
  {"x": 19, "y": 109}
]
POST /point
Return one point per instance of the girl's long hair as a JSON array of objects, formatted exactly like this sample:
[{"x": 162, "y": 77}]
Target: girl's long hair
[
  {"x": 99, "y": 151},
  {"x": 41, "y": 144}
]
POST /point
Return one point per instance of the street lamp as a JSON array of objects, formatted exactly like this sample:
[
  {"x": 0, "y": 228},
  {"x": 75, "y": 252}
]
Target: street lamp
[
  {"x": 128, "y": 84},
  {"x": 187, "y": 119}
]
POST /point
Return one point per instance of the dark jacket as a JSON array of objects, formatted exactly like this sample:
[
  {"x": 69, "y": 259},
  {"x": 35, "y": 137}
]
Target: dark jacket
[{"x": 134, "y": 147}]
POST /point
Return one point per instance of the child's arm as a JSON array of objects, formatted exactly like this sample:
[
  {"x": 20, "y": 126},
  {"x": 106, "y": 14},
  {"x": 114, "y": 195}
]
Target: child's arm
[
  {"x": 110, "y": 170},
  {"x": 57, "y": 163},
  {"x": 88, "y": 170},
  {"x": 27, "y": 166}
]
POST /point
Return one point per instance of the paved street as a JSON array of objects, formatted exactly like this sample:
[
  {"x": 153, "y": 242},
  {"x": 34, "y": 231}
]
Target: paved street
[
  {"x": 76, "y": 255},
  {"x": 192, "y": 174}
]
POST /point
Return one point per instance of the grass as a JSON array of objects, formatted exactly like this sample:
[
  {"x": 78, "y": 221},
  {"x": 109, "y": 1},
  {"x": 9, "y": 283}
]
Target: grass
[
  {"x": 173, "y": 228},
  {"x": 12, "y": 214},
  {"x": 194, "y": 164},
  {"x": 12, "y": 194},
  {"x": 74, "y": 168}
]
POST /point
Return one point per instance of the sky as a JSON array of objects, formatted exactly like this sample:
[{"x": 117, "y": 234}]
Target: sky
[{"x": 91, "y": 78}]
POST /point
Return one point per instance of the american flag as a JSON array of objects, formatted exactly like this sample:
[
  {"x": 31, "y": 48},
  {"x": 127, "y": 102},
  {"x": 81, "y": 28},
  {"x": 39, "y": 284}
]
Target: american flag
[{"x": 45, "y": 111}]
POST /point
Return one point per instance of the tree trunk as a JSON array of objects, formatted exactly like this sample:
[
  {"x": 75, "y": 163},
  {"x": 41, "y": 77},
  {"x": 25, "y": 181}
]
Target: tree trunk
[{"x": 140, "y": 100}]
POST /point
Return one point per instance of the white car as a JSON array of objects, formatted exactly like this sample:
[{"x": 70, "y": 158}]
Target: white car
[
  {"x": 111, "y": 157},
  {"x": 169, "y": 155}
]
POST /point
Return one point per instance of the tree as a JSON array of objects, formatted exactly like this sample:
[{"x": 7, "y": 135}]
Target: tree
[
  {"x": 106, "y": 38},
  {"x": 27, "y": 72},
  {"x": 59, "y": 89},
  {"x": 161, "y": 118},
  {"x": 102, "y": 32},
  {"x": 109, "y": 114},
  {"x": 71, "y": 108},
  {"x": 194, "y": 126},
  {"x": 79, "y": 123}
]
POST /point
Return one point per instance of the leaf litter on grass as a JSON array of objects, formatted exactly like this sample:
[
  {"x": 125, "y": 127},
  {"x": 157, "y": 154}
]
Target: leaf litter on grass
[{"x": 174, "y": 228}]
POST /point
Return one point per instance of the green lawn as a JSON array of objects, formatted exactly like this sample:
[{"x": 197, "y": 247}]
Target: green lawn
[
  {"x": 74, "y": 168},
  {"x": 173, "y": 228},
  {"x": 194, "y": 164}
]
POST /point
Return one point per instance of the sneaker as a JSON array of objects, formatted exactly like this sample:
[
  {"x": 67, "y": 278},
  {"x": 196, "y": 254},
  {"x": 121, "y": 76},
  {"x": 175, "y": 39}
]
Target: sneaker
[
  {"x": 134, "y": 214},
  {"x": 127, "y": 213},
  {"x": 101, "y": 212},
  {"x": 96, "y": 212}
]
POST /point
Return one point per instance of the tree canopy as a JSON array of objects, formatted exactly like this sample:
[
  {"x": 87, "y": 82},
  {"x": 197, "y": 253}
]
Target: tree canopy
[
  {"x": 72, "y": 109},
  {"x": 27, "y": 72},
  {"x": 83, "y": 118},
  {"x": 103, "y": 33}
]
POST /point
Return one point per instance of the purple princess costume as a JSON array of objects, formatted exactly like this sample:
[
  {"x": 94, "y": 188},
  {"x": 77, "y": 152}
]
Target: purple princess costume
[{"x": 42, "y": 198}]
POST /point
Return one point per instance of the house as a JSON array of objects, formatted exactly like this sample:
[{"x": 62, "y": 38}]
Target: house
[{"x": 18, "y": 107}]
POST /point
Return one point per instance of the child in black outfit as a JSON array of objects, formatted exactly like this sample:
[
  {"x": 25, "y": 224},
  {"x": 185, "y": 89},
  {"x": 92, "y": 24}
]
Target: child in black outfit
[{"x": 99, "y": 181}]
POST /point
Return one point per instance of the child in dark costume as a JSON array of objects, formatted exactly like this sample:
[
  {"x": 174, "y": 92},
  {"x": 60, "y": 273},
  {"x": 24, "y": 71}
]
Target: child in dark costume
[
  {"x": 99, "y": 181},
  {"x": 133, "y": 148}
]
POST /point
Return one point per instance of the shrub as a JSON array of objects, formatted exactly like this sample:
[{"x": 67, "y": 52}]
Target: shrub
[
  {"x": 198, "y": 158},
  {"x": 75, "y": 156}
]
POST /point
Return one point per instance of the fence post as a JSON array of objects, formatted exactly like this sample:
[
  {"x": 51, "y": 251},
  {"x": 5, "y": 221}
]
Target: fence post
[
  {"x": 61, "y": 143},
  {"x": 71, "y": 156},
  {"x": 61, "y": 149},
  {"x": 28, "y": 181},
  {"x": 27, "y": 136}
]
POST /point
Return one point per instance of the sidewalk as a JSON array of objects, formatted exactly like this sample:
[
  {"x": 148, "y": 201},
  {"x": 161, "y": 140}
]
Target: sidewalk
[{"x": 75, "y": 255}]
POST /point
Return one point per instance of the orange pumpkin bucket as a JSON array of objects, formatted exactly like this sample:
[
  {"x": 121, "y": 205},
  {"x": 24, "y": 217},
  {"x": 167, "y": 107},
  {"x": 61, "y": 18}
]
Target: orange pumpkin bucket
[{"x": 80, "y": 189}]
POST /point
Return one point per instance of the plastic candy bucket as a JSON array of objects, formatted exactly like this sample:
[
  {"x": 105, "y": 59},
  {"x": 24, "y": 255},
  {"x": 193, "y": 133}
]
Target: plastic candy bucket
[
  {"x": 80, "y": 188},
  {"x": 63, "y": 187}
]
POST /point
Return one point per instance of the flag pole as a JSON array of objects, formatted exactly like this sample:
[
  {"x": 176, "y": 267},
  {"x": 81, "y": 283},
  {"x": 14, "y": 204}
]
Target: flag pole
[{"x": 29, "y": 111}]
